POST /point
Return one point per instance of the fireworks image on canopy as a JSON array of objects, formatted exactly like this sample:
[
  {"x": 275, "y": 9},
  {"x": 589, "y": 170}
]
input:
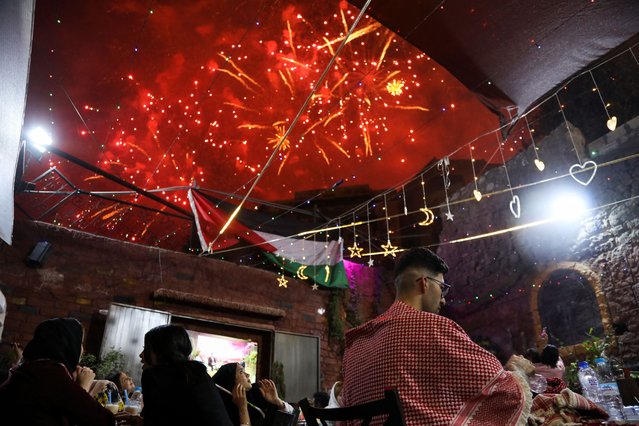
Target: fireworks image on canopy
[{"x": 174, "y": 95}]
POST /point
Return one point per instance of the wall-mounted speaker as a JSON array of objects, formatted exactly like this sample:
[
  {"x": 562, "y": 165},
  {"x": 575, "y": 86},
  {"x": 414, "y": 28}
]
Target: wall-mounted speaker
[{"x": 38, "y": 254}]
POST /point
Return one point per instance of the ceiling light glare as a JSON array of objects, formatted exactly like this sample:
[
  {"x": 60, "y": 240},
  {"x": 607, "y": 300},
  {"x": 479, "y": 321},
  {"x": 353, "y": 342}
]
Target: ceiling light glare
[
  {"x": 39, "y": 138},
  {"x": 568, "y": 207}
]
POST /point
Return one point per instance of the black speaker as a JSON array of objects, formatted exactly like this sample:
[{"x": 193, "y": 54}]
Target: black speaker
[{"x": 38, "y": 254}]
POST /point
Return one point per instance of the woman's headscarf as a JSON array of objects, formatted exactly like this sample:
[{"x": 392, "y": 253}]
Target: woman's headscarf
[
  {"x": 225, "y": 378},
  {"x": 58, "y": 339},
  {"x": 170, "y": 343}
]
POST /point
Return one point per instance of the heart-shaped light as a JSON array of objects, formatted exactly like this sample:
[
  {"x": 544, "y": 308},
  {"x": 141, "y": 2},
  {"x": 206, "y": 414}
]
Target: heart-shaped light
[
  {"x": 588, "y": 163},
  {"x": 515, "y": 207},
  {"x": 540, "y": 164},
  {"x": 612, "y": 123},
  {"x": 477, "y": 194}
]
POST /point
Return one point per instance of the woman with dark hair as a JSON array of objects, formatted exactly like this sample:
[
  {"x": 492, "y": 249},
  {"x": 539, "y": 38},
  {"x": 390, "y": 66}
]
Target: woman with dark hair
[
  {"x": 551, "y": 365},
  {"x": 176, "y": 390},
  {"x": 247, "y": 404},
  {"x": 49, "y": 388},
  {"x": 123, "y": 381}
]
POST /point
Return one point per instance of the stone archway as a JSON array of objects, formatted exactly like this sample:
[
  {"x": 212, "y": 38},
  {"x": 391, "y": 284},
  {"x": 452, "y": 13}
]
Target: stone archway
[{"x": 579, "y": 305}]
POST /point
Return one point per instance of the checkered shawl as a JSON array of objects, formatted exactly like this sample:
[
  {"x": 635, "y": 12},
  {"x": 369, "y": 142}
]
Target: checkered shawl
[
  {"x": 564, "y": 408},
  {"x": 443, "y": 377}
]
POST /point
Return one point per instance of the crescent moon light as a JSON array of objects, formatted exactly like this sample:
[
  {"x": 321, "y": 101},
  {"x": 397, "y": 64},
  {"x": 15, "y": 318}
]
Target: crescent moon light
[
  {"x": 430, "y": 217},
  {"x": 300, "y": 273}
]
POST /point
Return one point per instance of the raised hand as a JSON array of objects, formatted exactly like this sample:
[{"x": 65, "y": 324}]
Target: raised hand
[
  {"x": 239, "y": 396},
  {"x": 269, "y": 392},
  {"x": 239, "y": 399},
  {"x": 84, "y": 377}
]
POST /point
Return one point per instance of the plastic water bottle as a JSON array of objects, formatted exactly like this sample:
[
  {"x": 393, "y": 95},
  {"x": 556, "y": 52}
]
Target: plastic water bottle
[
  {"x": 589, "y": 382},
  {"x": 137, "y": 394},
  {"x": 608, "y": 390}
]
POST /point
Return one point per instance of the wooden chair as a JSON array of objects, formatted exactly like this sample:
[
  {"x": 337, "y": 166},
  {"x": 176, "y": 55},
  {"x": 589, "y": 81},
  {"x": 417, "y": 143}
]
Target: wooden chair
[{"x": 390, "y": 405}]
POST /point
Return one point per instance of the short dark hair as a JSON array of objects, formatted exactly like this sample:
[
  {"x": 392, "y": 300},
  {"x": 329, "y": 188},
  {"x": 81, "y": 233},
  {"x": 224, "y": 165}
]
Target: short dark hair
[
  {"x": 321, "y": 399},
  {"x": 421, "y": 258},
  {"x": 170, "y": 343},
  {"x": 550, "y": 356}
]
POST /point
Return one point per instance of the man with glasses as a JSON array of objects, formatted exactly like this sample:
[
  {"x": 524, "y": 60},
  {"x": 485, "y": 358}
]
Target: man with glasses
[{"x": 442, "y": 376}]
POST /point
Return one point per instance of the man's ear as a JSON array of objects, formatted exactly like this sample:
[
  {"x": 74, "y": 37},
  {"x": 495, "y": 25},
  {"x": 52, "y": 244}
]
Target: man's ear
[{"x": 421, "y": 285}]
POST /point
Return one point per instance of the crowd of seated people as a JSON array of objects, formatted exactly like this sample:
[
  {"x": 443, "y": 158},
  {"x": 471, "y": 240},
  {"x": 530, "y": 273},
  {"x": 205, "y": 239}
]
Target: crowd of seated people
[
  {"x": 440, "y": 374},
  {"x": 47, "y": 386}
]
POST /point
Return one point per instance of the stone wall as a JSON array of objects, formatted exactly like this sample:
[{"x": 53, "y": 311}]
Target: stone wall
[
  {"x": 83, "y": 274},
  {"x": 496, "y": 278}
]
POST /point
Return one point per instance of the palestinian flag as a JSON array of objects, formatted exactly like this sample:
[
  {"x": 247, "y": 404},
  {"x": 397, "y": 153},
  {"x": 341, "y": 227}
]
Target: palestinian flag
[{"x": 320, "y": 262}]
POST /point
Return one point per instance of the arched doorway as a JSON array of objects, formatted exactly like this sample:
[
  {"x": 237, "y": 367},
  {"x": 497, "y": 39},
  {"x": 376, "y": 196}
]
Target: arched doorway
[{"x": 567, "y": 299}]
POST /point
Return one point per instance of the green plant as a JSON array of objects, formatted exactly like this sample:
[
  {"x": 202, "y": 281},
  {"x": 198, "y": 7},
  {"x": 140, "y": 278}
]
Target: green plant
[
  {"x": 111, "y": 362},
  {"x": 595, "y": 347},
  {"x": 277, "y": 375}
]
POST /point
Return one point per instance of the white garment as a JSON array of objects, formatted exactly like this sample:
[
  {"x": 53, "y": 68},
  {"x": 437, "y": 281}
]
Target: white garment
[{"x": 332, "y": 401}]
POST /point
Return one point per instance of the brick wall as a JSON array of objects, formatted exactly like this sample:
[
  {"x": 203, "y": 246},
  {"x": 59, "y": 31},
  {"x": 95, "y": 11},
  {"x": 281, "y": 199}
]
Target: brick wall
[
  {"x": 496, "y": 279},
  {"x": 84, "y": 274}
]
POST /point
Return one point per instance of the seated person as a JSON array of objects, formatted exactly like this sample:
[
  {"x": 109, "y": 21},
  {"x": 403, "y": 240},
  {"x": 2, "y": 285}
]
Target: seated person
[
  {"x": 442, "y": 376},
  {"x": 550, "y": 364},
  {"x": 49, "y": 387},
  {"x": 101, "y": 389},
  {"x": 177, "y": 391},
  {"x": 247, "y": 404},
  {"x": 123, "y": 382}
]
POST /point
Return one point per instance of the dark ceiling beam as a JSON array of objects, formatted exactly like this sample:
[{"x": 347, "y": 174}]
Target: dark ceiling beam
[{"x": 117, "y": 180}]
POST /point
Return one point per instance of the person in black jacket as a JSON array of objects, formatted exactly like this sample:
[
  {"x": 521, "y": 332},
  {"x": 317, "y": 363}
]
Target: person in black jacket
[
  {"x": 177, "y": 391},
  {"x": 48, "y": 387}
]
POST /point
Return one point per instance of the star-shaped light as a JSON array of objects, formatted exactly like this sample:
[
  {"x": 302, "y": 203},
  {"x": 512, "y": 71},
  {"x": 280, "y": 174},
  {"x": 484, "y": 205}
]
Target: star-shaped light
[
  {"x": 315, "y": 287},
  {"x": 371, "y": 262},
  {"x": 282, "y": 281},
  {"x": 449, "y": 215},
  {"x": 389, "y": 249},
  {"x": 355, "y": 250}
]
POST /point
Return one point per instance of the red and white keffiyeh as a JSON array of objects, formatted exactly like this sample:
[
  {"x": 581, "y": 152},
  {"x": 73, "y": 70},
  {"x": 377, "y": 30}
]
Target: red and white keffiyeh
[
  {"x": 442, "y": 376},
  {"x": 564, "y": 408}
]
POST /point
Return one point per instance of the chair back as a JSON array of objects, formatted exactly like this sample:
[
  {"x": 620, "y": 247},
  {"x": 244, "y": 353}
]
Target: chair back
[
  {"x": 390, "y": 405},
  {"x": 279, "y": 418}
]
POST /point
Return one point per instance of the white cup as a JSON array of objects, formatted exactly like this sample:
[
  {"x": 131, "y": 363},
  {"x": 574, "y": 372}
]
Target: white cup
[
  {"x": 132, "y": 409},
  {"x": 114, "y": 408}
]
